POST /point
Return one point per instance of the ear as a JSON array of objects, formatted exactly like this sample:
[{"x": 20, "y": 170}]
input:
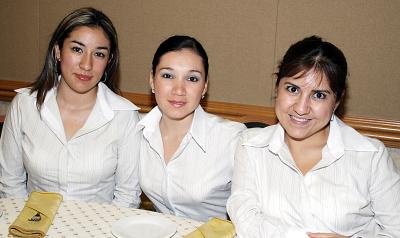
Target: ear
[
  {"x": 336, "y": 106},
  {"x": 57, "y": 53},
  {"x": 205, "y": 88},
  {"x": 151, "y": 80},
  {"x": 340, "y": 100}
]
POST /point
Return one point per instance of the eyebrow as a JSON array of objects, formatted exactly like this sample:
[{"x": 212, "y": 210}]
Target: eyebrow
[
  {"x": 99, "y": 48},
  {"x": 322, "y": 91},
  {"x": 314, "y": 90},
  {"x": 192, "y": 70}
]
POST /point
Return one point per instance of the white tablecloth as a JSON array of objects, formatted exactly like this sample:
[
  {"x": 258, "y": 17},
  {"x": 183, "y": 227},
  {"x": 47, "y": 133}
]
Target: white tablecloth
[{"x": 81, "y": 219}]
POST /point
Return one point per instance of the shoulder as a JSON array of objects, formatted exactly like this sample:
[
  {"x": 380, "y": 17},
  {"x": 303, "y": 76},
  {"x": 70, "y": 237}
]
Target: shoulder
[
  {"x": 115, "y": 101},
  {"x": 25, "y": 92},
  {"x": 219, "y": 123},
  {"x": 353, "y": 140},
  {"x": 24, "y": 95},
  {"x": 258, "y": 137}
]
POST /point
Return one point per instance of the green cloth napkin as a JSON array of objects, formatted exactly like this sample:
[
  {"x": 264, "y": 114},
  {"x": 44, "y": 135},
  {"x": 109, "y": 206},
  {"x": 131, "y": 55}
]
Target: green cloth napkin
[
  {"x": 44, "y": 203},
  {"x": 214, "y": 228}
]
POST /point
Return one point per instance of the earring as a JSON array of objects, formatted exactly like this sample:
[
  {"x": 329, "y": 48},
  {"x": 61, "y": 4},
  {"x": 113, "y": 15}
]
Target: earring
[
  {"x": 332, "y": 117},
  {"x": 56, "y": 66},
  {"x": 152, "y": 90},
  {"x": 202, "y": 96}
]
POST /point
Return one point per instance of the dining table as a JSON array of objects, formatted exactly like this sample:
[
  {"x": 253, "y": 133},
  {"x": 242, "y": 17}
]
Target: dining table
[{"x": 89, "y": 219}]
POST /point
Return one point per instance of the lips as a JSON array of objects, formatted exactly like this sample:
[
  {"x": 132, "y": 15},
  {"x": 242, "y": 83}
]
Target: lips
[
  {"x": 177, "y": 104},
  {"x": 299, "y": 120},
  {"x": 83, "y": 77}
]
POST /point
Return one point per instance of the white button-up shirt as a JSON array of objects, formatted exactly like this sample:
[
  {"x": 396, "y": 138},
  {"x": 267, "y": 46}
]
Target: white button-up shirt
[
  {"x": 353, "y": 191},
  {"x": 99, "y": 163},
  {"x": 196, "y": 182}
]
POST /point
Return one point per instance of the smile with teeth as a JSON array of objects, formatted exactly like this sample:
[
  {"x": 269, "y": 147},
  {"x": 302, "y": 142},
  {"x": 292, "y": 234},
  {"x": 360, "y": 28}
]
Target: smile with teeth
[{"x": 299, "y": 119}]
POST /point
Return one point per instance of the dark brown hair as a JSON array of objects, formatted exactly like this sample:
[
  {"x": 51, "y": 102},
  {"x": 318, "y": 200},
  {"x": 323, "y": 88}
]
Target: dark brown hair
[
  {"x": 323, "y": 57},
  {"x": 176, "y": 43}
]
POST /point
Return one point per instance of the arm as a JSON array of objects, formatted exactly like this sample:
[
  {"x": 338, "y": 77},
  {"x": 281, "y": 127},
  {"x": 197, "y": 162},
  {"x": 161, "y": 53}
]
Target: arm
[
  {"x": 127, "y": 190},
  {"x": 385, "y": 195},
  {"x": 12, "y": 170},
  {"x": 244, "y": 207}
]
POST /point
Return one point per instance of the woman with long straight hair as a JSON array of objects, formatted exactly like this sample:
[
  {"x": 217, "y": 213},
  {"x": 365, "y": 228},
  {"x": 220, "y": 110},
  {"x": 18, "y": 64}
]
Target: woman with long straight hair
[{"x": 71, "y": 132}]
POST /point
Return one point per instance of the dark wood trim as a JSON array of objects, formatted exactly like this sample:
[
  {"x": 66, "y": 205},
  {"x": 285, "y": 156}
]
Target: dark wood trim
[{"x": 388, "y": 131}]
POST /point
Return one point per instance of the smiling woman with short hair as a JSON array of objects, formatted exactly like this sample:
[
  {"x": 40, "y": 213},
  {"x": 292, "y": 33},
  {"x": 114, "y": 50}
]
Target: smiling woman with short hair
[{"x": 311, "y": 175}]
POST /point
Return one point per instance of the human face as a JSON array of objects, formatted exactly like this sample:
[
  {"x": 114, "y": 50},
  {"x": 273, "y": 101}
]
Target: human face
[
  {"x": 179, "y": 83},
  {"x": 83, "y": 59},
  {"x": 304, "y": 106}
]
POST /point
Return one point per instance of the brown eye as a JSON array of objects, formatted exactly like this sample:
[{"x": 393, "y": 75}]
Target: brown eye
[
  {"x": 100, "y": 54},
  {"x": 292, "y": 89},
  {"x": 166, "y": 75},
  {"x": 193, "y": 79},
  {"x": 320, "y": 95},
  {"x": 77, "y": 49}
]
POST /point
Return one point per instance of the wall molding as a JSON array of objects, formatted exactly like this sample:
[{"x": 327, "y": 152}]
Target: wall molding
[{"x": 388, "y": 131}]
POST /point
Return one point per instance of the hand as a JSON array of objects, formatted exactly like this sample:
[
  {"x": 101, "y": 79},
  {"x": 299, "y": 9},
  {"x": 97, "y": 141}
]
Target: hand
[{"x": 325, "y": 235}]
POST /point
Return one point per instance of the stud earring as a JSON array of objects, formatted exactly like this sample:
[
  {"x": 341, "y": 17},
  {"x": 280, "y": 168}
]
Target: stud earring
[
  {"x": 152, "y": 90},
  {"x": 202, "y": 96}
]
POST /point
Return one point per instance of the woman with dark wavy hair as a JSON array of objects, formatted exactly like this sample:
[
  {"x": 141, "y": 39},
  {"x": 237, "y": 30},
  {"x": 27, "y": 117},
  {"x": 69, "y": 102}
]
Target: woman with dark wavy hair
[{"x": 71, "y": 132}]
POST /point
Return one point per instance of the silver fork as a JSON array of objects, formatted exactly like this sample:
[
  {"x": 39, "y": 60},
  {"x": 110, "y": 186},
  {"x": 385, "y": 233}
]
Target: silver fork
[{"x": 36, "y": 217}]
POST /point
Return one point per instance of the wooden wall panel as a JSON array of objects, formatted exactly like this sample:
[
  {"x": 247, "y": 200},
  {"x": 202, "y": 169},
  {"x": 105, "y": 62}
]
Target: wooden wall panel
[{"x": 387, "y": 131}]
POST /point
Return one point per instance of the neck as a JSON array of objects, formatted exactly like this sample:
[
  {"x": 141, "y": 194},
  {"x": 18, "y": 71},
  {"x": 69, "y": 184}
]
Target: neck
[
  {"x": 177, "y": 127},
  {"x": 318, "y": 140},
  {"x": 73, "y": 100}
]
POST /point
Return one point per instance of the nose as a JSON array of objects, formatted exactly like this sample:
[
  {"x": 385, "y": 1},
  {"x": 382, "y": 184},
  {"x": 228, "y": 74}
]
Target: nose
[
  {"x": 302, "y": 105},
  {"x": 179, "y": 87},
  {"x": 86, "y": 62}
]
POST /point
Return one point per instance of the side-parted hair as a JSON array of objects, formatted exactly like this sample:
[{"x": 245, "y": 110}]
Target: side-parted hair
[
  {"x": 177, "y": 43},
  {"x": 89, "y": 17},
  {"x": 312, "y": 53}
]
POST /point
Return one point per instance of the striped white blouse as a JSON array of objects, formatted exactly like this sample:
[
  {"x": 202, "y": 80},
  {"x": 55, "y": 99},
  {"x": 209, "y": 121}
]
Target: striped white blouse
[
  {"x": 196, "y": 182},
  {"x": 99, "y": 163},
  {"x": 353, "y": 191}
]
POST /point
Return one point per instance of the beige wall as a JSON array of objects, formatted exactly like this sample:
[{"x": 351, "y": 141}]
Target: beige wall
[{"x": 244, "y": 40}]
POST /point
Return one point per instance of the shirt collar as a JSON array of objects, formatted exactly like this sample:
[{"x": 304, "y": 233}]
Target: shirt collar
[
  {"x": 199, "y": 129},
  {"x": 107, "y": 99},
  {"x": 150, "y": 123},
  {"x": 110, "y": 102},
  {"x": 341, "y": 137},
  {"x": 271, "y": 136}
]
